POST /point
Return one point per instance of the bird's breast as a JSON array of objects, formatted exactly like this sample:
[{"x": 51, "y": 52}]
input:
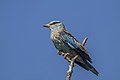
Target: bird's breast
[
  {"x": 58, "y": 42},
  {"x": 55, "y": 37}
]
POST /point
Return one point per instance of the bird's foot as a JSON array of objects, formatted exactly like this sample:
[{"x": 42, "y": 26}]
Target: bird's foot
[
  {"x": 65, "y": 55},
  {"x": 59, "y": 53}
]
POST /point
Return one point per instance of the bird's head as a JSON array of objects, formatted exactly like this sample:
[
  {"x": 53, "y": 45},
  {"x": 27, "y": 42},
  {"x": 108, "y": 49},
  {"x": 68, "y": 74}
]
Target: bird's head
[{"x": 54, "y": 25}]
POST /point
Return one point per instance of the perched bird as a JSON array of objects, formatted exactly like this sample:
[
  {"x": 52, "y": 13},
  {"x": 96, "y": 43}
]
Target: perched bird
[{"x": 68, "y": 45}]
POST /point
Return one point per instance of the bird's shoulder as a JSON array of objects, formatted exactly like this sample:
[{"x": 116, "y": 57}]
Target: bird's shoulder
[{"x": 75, "y": 40}]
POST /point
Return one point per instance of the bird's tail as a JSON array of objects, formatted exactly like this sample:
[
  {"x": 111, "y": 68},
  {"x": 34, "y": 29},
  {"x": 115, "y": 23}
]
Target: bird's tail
[
  {"x": 92, "y": 69},
  {"x": 89, "y": 67}
]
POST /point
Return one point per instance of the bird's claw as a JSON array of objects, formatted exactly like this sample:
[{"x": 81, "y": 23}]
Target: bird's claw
[
  {"x": 59, "y": 53},
  {"x": 65, "y": 55}
]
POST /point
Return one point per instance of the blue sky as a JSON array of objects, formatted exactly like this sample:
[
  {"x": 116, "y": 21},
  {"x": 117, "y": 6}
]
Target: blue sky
[{"x": 27, "y": 53}]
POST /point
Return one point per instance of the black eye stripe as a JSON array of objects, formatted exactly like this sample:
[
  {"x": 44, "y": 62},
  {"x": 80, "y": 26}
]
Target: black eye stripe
[{"x": 54, "y": 23}]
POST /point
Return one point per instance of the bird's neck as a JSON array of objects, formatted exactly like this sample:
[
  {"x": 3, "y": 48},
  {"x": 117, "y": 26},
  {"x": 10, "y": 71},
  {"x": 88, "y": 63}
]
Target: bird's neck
[
  {"x": 58, "y": 30},
  {"x": 55, "y": 28}
]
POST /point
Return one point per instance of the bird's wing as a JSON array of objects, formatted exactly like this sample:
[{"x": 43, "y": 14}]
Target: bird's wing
[{"x": 74, "y": 44}]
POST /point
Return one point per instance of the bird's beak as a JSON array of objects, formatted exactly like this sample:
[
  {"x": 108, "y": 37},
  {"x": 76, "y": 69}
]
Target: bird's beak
[{"x": 46, "y": 25}]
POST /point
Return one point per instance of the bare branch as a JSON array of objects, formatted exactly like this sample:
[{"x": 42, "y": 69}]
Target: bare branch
[
  {"x": 69, "y": 72},
  {"x": 84, "y": 41}
]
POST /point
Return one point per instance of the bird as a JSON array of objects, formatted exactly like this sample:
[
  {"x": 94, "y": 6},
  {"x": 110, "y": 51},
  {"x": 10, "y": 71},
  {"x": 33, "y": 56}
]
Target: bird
[{"x": 68, "y": 45}]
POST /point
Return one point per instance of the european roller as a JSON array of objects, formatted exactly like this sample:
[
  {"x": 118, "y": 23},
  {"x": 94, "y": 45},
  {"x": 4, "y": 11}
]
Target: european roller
[{"x": 68, "y": 45}]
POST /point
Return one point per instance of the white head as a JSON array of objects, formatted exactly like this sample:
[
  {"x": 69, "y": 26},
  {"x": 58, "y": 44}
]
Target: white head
[{"x": 54, "y": 25}]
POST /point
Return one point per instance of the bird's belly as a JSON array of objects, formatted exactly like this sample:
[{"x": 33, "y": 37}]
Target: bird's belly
[
  {"x": 61, "y": 46},
  {"x": 65, "y": 48}
]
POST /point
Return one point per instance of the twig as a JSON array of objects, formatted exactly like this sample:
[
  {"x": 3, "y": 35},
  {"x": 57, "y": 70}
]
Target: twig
[
  {"x": 84, "y": 41},
  {"x": 69, "y": 72}
]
